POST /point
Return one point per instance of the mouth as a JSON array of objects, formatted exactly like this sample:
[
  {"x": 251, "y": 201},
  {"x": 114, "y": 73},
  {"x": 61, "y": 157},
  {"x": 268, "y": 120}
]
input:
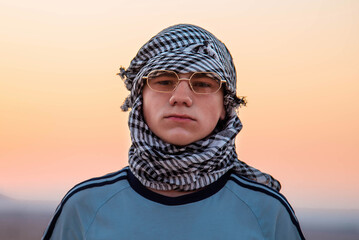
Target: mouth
[{"x": 180, "y": 117}]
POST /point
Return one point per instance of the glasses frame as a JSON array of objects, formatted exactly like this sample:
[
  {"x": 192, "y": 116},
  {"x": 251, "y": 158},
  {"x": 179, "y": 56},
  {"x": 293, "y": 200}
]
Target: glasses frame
[{"x": 183, "y": 79}]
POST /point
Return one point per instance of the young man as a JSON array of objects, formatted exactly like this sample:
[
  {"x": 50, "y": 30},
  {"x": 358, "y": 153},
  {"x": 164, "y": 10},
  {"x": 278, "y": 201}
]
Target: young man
[{"x": 184, "y": 180}]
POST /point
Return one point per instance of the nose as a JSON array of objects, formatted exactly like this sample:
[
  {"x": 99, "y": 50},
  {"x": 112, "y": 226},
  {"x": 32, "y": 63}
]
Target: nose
[{"x": 182, "y": 95}]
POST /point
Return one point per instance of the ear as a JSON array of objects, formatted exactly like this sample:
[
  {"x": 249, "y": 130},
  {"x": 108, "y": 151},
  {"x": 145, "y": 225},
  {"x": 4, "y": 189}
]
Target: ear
[{"x": 223, "y": 114}]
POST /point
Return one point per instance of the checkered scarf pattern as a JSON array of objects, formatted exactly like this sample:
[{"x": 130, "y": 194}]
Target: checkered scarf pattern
[{"x": 159, "y": 165}]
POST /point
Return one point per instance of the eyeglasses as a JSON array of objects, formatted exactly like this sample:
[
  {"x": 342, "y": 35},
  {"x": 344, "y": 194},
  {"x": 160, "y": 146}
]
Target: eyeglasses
[{"x": 200, "y": 82}]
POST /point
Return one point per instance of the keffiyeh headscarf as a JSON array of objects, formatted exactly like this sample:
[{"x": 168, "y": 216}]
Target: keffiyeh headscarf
[{"x": 159, "y": 165}]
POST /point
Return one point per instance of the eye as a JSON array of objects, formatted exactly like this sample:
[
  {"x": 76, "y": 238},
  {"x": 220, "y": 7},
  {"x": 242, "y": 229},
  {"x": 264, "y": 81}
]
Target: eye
[
  {"x": 162, "y": 82},
  {"x": 202, "y": 83},
  {"x": 205, "y": 82}
]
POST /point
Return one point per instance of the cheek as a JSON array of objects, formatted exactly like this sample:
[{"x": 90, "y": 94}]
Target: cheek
[
  {"x": 146, "y": 110},
  {"x": 215, "y": 111},
  {"x": 152, "y": 106},
  {"x": 223, "y": 113},
  {"x": 219, "y": 108}
]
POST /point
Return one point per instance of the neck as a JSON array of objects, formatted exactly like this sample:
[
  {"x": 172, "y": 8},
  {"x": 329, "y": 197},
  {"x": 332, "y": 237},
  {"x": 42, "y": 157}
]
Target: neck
[{"x": 172, "y": 193}]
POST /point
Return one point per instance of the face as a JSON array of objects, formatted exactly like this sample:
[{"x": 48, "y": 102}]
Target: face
[{"x": 182, "y": 117}]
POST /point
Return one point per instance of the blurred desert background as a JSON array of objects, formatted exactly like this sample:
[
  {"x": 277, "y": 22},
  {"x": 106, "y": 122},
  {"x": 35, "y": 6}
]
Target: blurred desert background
[{"x": 60, "y": 98}]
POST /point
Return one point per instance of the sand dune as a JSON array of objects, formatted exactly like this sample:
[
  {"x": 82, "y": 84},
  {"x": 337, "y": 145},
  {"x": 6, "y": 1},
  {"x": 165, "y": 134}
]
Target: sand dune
[{"x": 24, "y": 220}]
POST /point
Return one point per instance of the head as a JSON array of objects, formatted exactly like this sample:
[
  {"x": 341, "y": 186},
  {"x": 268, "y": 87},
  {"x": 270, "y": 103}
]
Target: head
[{"x": 182, "y": 116}]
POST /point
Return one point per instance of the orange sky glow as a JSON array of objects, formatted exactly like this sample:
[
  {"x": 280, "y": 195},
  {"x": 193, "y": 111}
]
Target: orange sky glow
[{"x": 297, "y": 63}]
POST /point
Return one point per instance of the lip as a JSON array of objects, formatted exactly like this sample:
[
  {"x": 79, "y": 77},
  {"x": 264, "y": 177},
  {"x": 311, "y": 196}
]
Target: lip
[{"x": 179, "y": 117}]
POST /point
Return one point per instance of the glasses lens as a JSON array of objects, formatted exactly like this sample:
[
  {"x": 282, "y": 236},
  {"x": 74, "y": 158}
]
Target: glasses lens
[
  {"x": 205, "y": 82},
  {"x": 162, "y": 81}
]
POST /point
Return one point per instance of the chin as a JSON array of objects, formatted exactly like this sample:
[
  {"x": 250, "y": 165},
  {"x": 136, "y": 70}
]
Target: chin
[
  {"x": 178, "y": 143},
  {"x": 180, "y": 140}
]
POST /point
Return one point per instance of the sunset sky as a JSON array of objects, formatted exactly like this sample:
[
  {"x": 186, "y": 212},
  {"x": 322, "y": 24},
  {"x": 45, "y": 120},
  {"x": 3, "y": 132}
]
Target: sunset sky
[{"x": 297, "y": 63}]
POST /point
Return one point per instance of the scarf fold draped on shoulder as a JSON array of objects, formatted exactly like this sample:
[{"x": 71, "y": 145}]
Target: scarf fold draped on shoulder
[{"x": 163, "y": 166}]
